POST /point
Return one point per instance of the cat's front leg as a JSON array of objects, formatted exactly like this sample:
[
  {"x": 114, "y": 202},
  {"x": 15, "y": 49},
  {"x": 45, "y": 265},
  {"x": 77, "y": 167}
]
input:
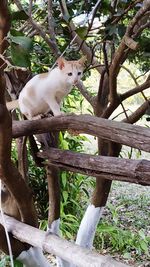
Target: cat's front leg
[{"x": 54, "y": 107}]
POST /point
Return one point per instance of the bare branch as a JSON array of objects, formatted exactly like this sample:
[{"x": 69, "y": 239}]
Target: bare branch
[
  {"x": 93, "y": 15},
  {"x": 136, "y": 90},
  {"x": 136, "y": 115},
  {"x": 131, "y": 5},
  {"x": 30, "y": 8},
  {"x": 86, "y": 94},
  {"x": 131, "y": 74},
  {"x": 85, "y": 49}
]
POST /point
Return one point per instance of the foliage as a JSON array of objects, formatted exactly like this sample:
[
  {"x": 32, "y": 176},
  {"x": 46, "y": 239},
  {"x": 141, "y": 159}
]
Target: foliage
[
  {"x": 33, "y": 45},
  {"x": 5, "y": 262}
]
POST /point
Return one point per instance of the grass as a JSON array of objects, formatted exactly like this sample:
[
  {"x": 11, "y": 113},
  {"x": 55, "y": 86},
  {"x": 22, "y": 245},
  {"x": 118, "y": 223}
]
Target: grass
[{"x": 124, "y": 230}]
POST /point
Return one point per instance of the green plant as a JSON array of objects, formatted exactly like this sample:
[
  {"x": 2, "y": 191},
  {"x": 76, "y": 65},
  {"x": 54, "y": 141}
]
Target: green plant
[{"x": 5, "y": 262}]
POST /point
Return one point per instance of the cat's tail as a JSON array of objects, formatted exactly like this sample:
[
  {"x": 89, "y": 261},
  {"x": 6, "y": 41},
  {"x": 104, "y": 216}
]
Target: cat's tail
[{"x": 12, "y": 104}]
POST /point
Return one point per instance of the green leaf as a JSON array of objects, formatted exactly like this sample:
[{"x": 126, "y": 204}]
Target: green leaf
[
  {"x": 64, "y": 144},
  {"x": 21, "y": 47},
  {"x": 141, "y": 234},
  {"x": 64, "y": 179},
  {"x": 121, "y": 30},
  {"x": 127, "y": 255},
  {"x": 23, "y": 41},
  {"x": 144, "y": 246},
  {"x": 19, "y": 15},
  {"x": 14, "y": 32},
  {"x": 65, "y": 195},
  {"x": 82, "y": 32},
  {"x": 17, "y": 263},
  {"x": 20, "y": 56}
]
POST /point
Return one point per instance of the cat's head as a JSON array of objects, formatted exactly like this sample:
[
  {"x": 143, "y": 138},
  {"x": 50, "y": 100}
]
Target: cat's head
[{"x": 72, "y": 71}]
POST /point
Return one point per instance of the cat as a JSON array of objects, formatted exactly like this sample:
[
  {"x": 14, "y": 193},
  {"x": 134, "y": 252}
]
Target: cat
[{"x": 45, "y": 92}]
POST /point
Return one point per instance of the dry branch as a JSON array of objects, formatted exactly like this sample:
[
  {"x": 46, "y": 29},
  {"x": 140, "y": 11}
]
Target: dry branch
[
  {"x": 122, "y": 133},
  {"x": 112, "y": 168},
  {"x": 53, "y": 244}
]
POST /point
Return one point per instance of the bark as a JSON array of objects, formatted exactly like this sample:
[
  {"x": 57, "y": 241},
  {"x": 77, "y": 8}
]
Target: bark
[
  {"x": 8, "y": 173},
  {"x": 53, "y": 244},
  {"x": 112, "y": 168},
  {"x": 122, "y": 133}
]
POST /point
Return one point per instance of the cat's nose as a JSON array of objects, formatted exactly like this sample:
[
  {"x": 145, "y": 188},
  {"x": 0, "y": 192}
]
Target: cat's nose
[{"x": 75, "y": 81}]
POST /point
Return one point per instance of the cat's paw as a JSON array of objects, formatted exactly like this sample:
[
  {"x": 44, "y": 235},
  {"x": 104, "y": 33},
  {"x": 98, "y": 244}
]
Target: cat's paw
[
  {"x": 37, "y": 117},
  {"x": 59, "y": 113}
]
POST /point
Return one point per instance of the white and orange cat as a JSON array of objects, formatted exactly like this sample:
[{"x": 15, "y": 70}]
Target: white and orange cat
[{"x": 45, "y": 92}]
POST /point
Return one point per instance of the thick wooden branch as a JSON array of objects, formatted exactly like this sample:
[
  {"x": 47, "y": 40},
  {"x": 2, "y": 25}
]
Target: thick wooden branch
[
  {"x": 122, "y": 133},
  {"x": 112, "y": 168},
  {"x": 50, "y": 243}
]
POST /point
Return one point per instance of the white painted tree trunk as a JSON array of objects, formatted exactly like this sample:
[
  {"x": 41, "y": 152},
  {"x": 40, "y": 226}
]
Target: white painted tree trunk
[
  {"x": 88, "y": 226},
  {"x": 87, "y": 229},
  {"x": 33, "y": 258},
  {"x": 54, "y": 229}
]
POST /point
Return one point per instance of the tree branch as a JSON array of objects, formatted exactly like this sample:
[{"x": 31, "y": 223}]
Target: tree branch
[
  {"x": 123, "y": 133},
  {"x": 53, "y": 244},
  {"x": 136, "y": 115},
  {"x": 112, "y": 168},
  {"x": 51, "y": 23},
  {"x": 131, "y": 74},
  {"x": 86, "y": 94},
  {"x": 85, "y": 49},
  {"x": 40, "y": 30},
  {"x": 122, "y": 52},
  {"x": 136, "y": 90}
]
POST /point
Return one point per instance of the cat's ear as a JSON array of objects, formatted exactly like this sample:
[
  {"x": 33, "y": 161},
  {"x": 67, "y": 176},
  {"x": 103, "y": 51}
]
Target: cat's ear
[
  {"x": 82, "y": 60},
  {"x": 61, "y": 62}
]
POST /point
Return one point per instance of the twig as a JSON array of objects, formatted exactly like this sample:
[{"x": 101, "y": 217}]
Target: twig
[
  {"x": 136, "y": 90},
  {"x": 40, "y": 30},
  {"x": 85, "y": 49},
  {"x": 86, "y": 94},
  {"x": 131, "y": 74},
  {"x": 30, "y": 8}
]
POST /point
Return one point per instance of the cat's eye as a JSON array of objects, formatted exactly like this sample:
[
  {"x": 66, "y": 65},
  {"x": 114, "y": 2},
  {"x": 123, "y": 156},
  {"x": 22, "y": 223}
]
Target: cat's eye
[
  {"x": 79, "y": 73},
  {"x": 70, "y": 74}
]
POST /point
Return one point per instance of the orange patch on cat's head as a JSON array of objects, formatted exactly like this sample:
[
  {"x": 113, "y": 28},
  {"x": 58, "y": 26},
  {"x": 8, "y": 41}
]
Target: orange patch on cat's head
[{"x": 62, "y": 62}]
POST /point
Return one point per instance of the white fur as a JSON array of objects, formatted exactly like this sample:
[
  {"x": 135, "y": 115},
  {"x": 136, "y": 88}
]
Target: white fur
[
  {"x": 45, "y": 92},
  {"x": 33, "y": 258}
]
